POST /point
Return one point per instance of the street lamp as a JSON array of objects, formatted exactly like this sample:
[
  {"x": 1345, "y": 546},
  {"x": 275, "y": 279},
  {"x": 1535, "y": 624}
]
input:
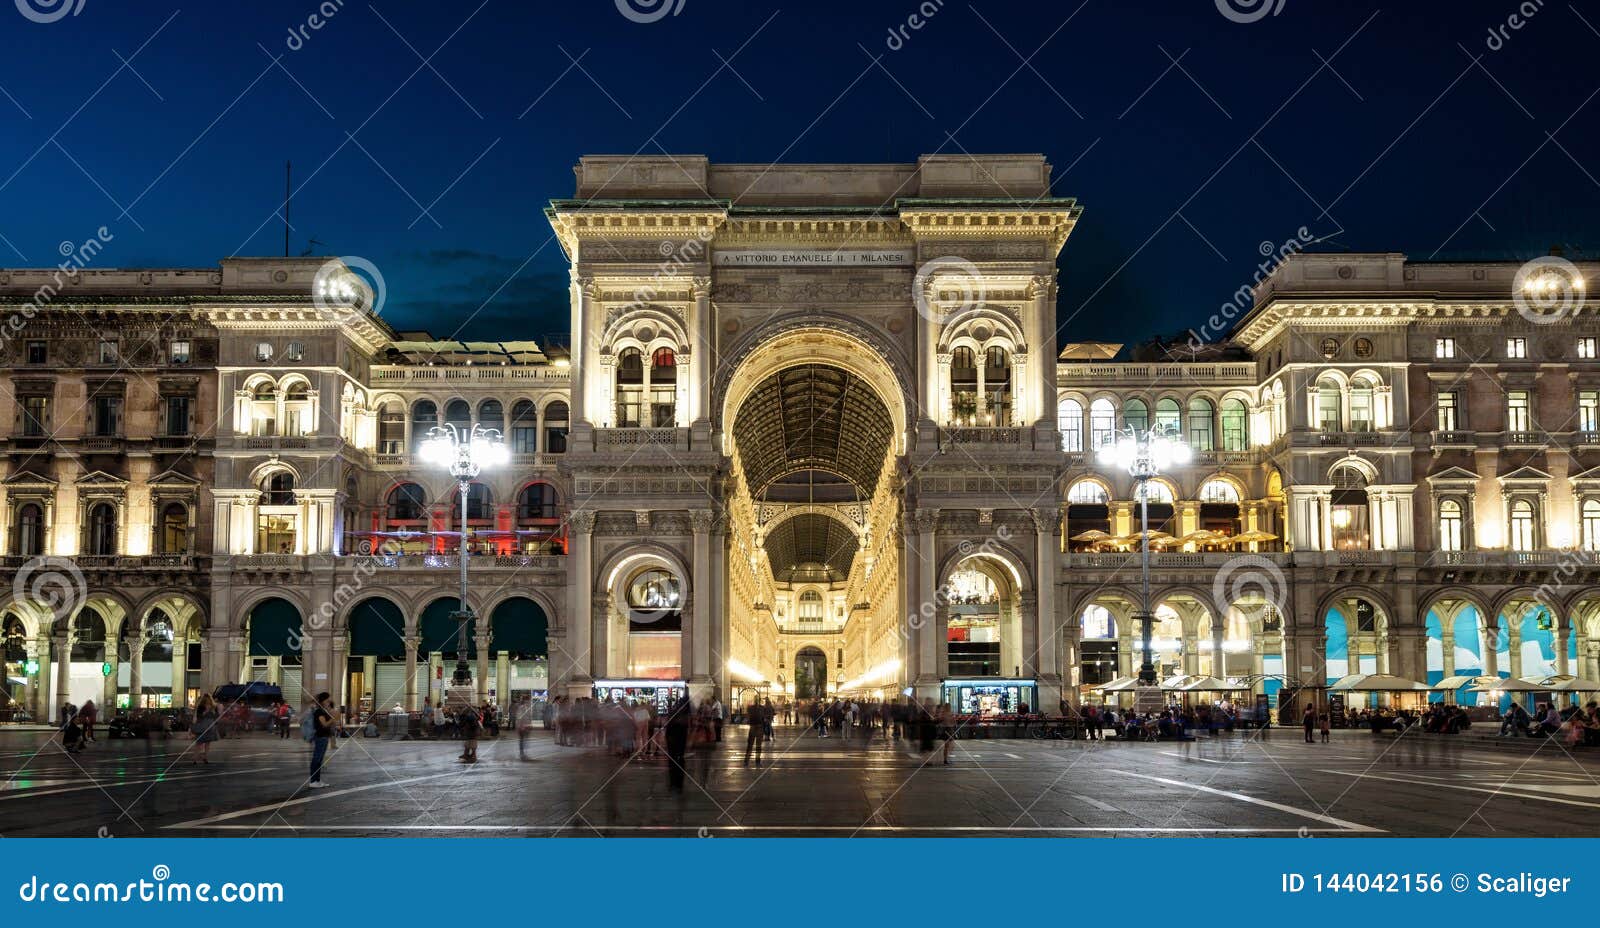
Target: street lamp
[
  {"x": 464, "y": 454},
  {"x": 1144, "y": 454}
]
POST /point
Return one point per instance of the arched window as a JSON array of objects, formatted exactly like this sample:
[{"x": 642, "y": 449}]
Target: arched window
[
  {"x": 1200, "y": 435},
  {"x": 1156, "y": 492},
  {"x": 1235, "y": 425},
  {"x": 264, "y": 409},
  {"x": 1069, "y": 419},
  {"x": 1348, "y": 511},
  {"x": 1097, "y": 622},
  {"x": 1136, "y": 415},
  {"x": 491, "y": 415},
  {"x": 997, "y": 386},
  {"x": 538, "y": 501},
  {"x": 1329, "y": 417},
  {"x": 630, "y": 388},
  {"x": 1102, "y": 423},
  {"x": 1218, "y": 491},
  {"x": 1361, "y": 411},
  {"x": 555, "y": 428},
  {"x": 392, "y": 428},
  {"x": 424, "y": 416},
  {"x": 1219, "y": 506},
  {"x": 297, "y": 418},
  {"x": 810, "y": 609},
  {"x": 89, "y": 636},
  {"x": 459, "y": 414},
  {"x": 174, "y": 529},
  {"x": 663, "y": 389},
  {"x": 29, "y": 533},
  {"x": 1450, "y": 526},
  {"x": 524, "y": 428},
  {"x": 279, "y": 489},
  {"x": 963, "y": 387},
  {"x": 1523, "y": 534},
  {"x": 1088, "y": 511},
  {"x": 103, "y": 529},
  {"x": 406, "y": 503},
  {"x": 1168, "y": 417},
  {"x": 1591, "y": 524},
  {"x": 654, "y": 589},
  {"x": 1087, "y": 492}
]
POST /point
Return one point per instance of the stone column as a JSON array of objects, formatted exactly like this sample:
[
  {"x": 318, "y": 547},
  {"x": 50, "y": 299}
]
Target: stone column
[
  {"x": 1219, "y": 658},
  {"x": 1447, "y": 646},
  {"x": 577, "y": 639},
  {"x": 411, "y": 703},
  {"x": 502, "y": 678},
  {"x": 697, "y": 667},
  {"x": 61, "y": 648},
  {"x": 135, "y": 668},
  {"x": 1514, "y": 655},
  {"x": 928, "y": 607},
  {"x": 700, "y": 412},
  {"x": 1042, "y": 291},
  {"x": 1490, "y": 637},
  {"x": 1044, "y": 651},
  {"x": 1563, "y": 636},
  {"x": 481, "y": 642}
]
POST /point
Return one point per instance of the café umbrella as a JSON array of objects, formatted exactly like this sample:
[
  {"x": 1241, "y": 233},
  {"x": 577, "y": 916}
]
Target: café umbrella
[
  {"x": 1567, "y": 683},
  {"x": 1375, "y": 683},
  {"x": 1507, "y": 685}
]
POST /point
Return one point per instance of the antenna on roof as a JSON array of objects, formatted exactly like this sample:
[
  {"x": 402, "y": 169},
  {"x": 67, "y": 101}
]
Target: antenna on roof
[{"x": 311, "y": 246}]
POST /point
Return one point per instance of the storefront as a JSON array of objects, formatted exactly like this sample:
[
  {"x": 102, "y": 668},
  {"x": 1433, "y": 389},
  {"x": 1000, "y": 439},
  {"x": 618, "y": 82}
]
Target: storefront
[
  {"x": 991, "y": 696},
  {"x": 659, "y": 693}
]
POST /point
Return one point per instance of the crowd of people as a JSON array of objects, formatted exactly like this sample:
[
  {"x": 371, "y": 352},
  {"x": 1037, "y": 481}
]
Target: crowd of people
[{"x": 1573, "y": 725}]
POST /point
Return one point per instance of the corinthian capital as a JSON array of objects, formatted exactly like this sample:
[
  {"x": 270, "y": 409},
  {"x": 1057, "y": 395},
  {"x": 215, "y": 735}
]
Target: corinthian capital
[{"x": 582, "y": 520}]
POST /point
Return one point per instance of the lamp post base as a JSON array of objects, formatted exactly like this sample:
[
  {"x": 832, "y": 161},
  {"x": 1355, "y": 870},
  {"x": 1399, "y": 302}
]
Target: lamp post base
[{"x": 1147, "y": 669}]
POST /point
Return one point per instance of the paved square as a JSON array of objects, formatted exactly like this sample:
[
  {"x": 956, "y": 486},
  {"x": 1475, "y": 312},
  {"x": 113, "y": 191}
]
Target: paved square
[{"x": 1233, "y": 785}]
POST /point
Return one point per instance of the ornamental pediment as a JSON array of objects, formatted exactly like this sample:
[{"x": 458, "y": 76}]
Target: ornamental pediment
[
  {"x": 1526, "y": 475},
  {"x": 28, "y": 478},
  {"x": 1453, "y": 475}
]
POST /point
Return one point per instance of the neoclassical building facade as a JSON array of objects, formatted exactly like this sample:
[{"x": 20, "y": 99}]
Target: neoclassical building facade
[{"x": 813, "y": 434}]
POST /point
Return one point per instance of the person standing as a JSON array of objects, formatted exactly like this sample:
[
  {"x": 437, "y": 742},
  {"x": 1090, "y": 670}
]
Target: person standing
[
  {"x": 767, "y": 715},
  {"x": 716, "y": 716},
  {"x": 322, "y": 733},
  {"x": 1308, "y": 720},
  {"x": 677, "y": 738},
  {"x": 470, "y": 722},
  {"x": 206, "y": 720},
  {"x": 89, "y": 713},
  {"x": 1326, "y": 723},
  {"x": 756, "y": 717}
]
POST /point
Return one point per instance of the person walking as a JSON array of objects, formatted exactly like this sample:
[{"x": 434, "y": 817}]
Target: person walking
[
  {"x": 1326, "y": 724},
  {"x": 206, "y": 720},
  {"x": 89, "y": 713},
  {"x": 322, "y": 734},
  {"x": 1308, "y": 720},
  {"x": 947, "y": 730},
  {"x": 677, "y": 738},
  {"x": 470, "y": 723},
  {"x": 756, "y": 718},
  {"x": 767, "y": 714}
]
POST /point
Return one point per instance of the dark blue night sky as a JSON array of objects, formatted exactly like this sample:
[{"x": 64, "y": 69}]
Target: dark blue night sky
[{"x": 1189, "y": 138}]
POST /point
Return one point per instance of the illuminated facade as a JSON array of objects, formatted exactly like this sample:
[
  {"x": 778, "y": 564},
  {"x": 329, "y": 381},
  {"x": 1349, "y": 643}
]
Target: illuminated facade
[{"x": 813, "y": 433}]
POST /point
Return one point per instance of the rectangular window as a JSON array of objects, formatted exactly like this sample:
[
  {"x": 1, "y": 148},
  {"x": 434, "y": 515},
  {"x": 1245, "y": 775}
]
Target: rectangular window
[
  {"x": 1444, "y": 347},
  {"x": 1072, "y": 432},
  {"x": 36, "y": 352},
  {"x": 177, "y": 415},
  {"x": 35, "y": 416},
  {"x": 663, "y": 406},
  {"x": 629, "y": 401},
  {"x": 1589, "y": 411},
  {"x": 1516, "y": 347},
  {"x": 180, "y": 352},
  {"x": 1587, "y": 346},
  {"x": 107, "y": 422},
  {"x": 108, "y": 351},
  {"x": 1448, "y": 412},
  {"x": 555, "y": 439},
  {"x": 1517, "y": 418}
]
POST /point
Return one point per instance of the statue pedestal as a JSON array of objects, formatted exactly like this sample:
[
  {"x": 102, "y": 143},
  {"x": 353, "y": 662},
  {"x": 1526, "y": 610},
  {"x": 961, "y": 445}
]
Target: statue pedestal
[{"x": 457, "y": 697}]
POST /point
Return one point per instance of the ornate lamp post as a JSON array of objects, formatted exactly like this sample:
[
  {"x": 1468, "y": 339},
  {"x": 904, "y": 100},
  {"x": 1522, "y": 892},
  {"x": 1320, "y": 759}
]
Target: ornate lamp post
[
  {"x": 1144, "y": 455},
  {"x": 464, "y": 454}
]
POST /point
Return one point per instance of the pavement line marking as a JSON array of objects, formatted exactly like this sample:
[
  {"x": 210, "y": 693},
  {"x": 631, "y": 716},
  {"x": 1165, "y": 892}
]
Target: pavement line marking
[
  {"x": 312, "y": 797},
  {"x": 1509, "y": 791},
  {"x": 1141, "y": 829},
  {"x": 116, "y": 784},
  {"x": 1203, "y": 760},
  {"x": 1303, "y": 813},
  {"x": 1102, "y": 806}
]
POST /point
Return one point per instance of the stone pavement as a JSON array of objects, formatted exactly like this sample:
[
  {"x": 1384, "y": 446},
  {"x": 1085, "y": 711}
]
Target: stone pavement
[{"x": 1234, "y": 785}]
